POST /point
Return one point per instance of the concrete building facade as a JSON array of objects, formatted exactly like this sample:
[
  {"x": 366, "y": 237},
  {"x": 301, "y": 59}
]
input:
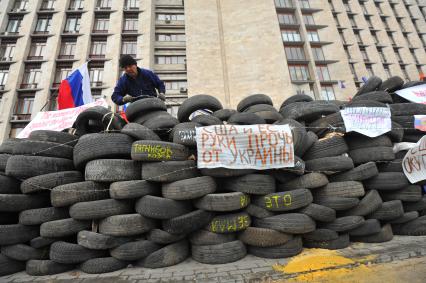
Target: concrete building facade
[{"x": 225, "y": 48}]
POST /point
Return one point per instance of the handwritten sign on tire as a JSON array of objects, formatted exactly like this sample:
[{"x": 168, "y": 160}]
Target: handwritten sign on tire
[{"x": 414, "y": 162}]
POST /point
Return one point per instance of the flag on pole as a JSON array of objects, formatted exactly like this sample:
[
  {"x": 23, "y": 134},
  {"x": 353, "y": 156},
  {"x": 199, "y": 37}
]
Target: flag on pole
[{"x": 75, "y": 91}]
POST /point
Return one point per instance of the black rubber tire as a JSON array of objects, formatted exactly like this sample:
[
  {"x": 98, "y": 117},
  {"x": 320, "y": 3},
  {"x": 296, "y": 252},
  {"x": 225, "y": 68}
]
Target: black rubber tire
[
  {"x": 3, "y": 160},
  {"x": 270, "y": 117},
  {"x": 407, "y": 122},
  {"x": 337, "y": 203},
  {"x": 97, "y": 241},
  {"x": 298, "y": 133},
  {"x": 158, "y": 151},
  {"x": 261, "y": 237},
  {"x": 187, "y": 223},
  {"x": 69, "y": 194},
  {"x": 356, "y": 141},
  {"x": 162, "y": 237},
  {"x": 197, "y": 102},
  {"x": 405, "y": 109},
  {"x": 296, "y": 98},
  {"x": 411, "y": 193},
  {"x": 340, "y": 243},
  {"x": 145, "y": 105},
  {"x": 298, "y": 168},
  {"x": 184, "y": 133},
  {"x": 134, "y": 250},
  {"x": 346, "y": 223},
  {"x": 102, "y": 265},
  {"x": 328, "y": 147},
  {"x": 330, "y": 164},
  {"x": 53, "y": 136},
  {"x": 112, "y": 170},
  {"x": 284, "y": 201},
  {"x": 397, "y": 133},
  {"x": 189, "y": 189},
  {"x": 359, "y": 173},
  {"x": 406, "y": 217},
  {"x": 204, "y": 237},
  {"x": 161, "y": 208},
  {"x": 68, "y": 253},
  {"x": 385, "y": 235},
  {"x": 163, "y": 125},
  {"x": 63, "y": 228},
  {"x": 320, "y": 235},
  {"x": 229, "y": 223},
  {"x": 387, "y": 181},
  {"x": 413, "y": 206},
  {"x": 258, "y": 212},
  {"x": 24, "y": 252},
  {"x": 319, "y": 212},
  {"x": 416, "y": 227},
  {"x": 370, "y": 226},
  {"x": 308, "y": 111},
  {"x": 260, "y": 108},
  {"x": 368, "y": 154},
  {"x": 133, "y": 189},
  {"x": 348, "y": 189},
  {"x": 17, "y": 233},
  {"x": 10, "y": 266},
  {"x": 220, "y": 253},
  {"x": 292, "y": 223},
  {"x": 18, "y": 203},
  {"x": 328, "y": 124},
  {"x": 388, "y": 210},
  {"x": 392, "y": 84},
  {"x": 368, "y": 204},
  {"x": 41, "y": 242},
  {"x": 49, "y": 181},
  {"x": 144, "y": 117},
  {"x": 223, "y": 201},
  {"x": 224, "y": 114},
  {"x": 8, "y": 145},
  {"x": 23, "y": 167},
  {"x": 46, "y": 267},
  {"x": 41, "y": 215},
  {"x": 207, "y": 120},
  {"x": 245, "y": 119},
  {"x": 253, "y": 100},
  {"x": 99, "y": 209},
  {"x": 372, "y": 84},
  {"x": 291, "y": 248},
  {"x": 101, "y": 146},
  {"x": 42, "y": 148},
  {"x": 256, "y": 184},
  {"x": 139, "y": 132},
  {"x": 169, "y": 171},
  {"x": 307, "y": 181},
  {"x": 167, "y": 256},
  {"x": 225, "y": 172},
  {"x": 308, "y": 141},
  {"x": 380, "y": 96},
  {"x": 125, "y": 225},
  {"x": 96, "y": 119}
]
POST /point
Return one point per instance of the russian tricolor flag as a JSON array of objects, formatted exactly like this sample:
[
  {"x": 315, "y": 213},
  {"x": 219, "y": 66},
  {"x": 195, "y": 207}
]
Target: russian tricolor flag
[{"x": 75, "y": 91}]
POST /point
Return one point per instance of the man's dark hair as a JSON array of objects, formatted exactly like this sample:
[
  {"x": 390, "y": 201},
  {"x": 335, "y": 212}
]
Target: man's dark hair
[{"x": 127, "y": 60}]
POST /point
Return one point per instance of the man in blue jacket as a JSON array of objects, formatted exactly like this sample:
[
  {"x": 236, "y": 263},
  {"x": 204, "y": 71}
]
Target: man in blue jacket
[{"x": 136, "y": 82}]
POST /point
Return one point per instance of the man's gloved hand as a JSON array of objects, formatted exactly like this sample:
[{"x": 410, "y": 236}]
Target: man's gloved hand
[
  {"x": 127, "y": 98},
  {"x": 162, "y": 96}
]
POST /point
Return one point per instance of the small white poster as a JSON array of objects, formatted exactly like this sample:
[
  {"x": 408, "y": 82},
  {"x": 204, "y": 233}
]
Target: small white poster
[
  {"x": 245, "y": 147},
  {"x": 415, "y": 94},
  {"x": 414, "y": 163},
  {"x": 369, "y": 121}
]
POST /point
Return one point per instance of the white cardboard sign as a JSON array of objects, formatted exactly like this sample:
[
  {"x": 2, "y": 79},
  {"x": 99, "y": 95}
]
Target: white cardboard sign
[
  {"x": 414, "y": 162},
  {"x": 245, "y": 147},
  {"x": 57, "y": 120},
  {"x": 415, "y": 94},
  {"x": 369, "y": 121}
]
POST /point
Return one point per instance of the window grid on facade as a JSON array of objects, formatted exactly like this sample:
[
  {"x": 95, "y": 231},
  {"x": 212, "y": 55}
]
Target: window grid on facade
[
  {"x": 131, "y": 4},
  {"x": 72, "y": 25},
  {"x": 7, "y": 49},
  {"x": 283, "y": 3},
  {"x": 364, "y": 54},
  {"x": 327, "y": 92},
  {"x": 170, "y": 60},
  {"x": 24, "y": 106},
  {"x": 101, "y": 25},
  {"x": 291, "y": 36},
  {"x": 98, "y": 49},
  {"x": 37, "y": 50},
  {"x": 76, "y": 5},
  {"x": 31, "y": 76},
  {"x": 175, "y": 85},
  {"x": 4, "y": 73},
  {"x": 129, "y": 47},
  {"x": 170, "y": 17},
  {"x": 130, "y": 24},
  {"x": 14, "y": 25},
  {"x": 67, "y": 50},
  {"x": 104, "y": 4},
  {"x": 387, "y": 71},
  {"x": 295, "y": 53},
  {"x": 369, "y": 70},
  {"x": 20, "y": 5},
  {"x": 304, "y": 4},
  {"x": 318, "y": 53},
  {"x": 313, "y": 36},
  {"x": 299, "y": 72},
  {"x": 47, "y": 5},
  {"x": 308, "y": 20},
  {"x": 323, "y": 73},
  {"x": 96, "y": 73},
  {"x": 43, "y": 24},
  {"x": 405, "y": 73},
  {"x": 167, "y": 37},
  {"x": 61, "y": 73},
  {"x": 287, "y": 19}
]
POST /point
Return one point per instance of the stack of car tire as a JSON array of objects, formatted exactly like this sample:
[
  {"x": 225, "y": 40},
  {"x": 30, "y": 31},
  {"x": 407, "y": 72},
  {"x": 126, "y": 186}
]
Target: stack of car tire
[{"x": 120, "y": 193}]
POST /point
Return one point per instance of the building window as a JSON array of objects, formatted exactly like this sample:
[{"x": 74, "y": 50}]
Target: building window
[
  {"x": 387, "y": 71},
  {"x": 7, "y": 49},
  {"x": 3, "y": 78},
  {"x": 347, "y": 6},
  {"x": 72, "y": 25},
  {"x": 47, "y": 5},
  {"x": 14, "y": 25},
  {"x": 61, "y": 73},
  {"x": 284, "y": 3},
  {"x": 98, "y": 49},
  {"x": 67, "y": 49},
  {"x": 76, "y": 5},
  {"x": 130, "y": 24},
  {"x": 176, "y": 85},
  {"x": 358, "y": 37},
  {"x": 287, "y": 19},
  {"x": 170, "y": 17},
  {"x": 31, "y": 76},
  {"x": 323, "y": 73},
  {"x": 374, "y": 35},
  {"x": 299, "y": 72},
  {"x": 364, "y": 54},
  {"x": 170, "y": 60},
  {"x": 20, "y": 5},
  {"x": 308, "y": 20},
  {"x": 43, "y": 24},
  {"x": 313, "y": 36},
  {"x": 24, "y": 107},
  {"x": 348, "y": 54},
  {"x": 318, "y": 53},
  {"x": 398, "y": 55},
  {"x": 295, "y": 53},
  {"x": 414, "y": 56},
  {"x": 352, "y": 21},
  {"x": 369, "y": 70},
  {"x": 342, "y": 37},
  {"x": 104, "y": 4},
  {"x": 327, "y": 92},
  {"x": 379, "y": 9},
  {"x": 96, "y": 75},
  {"x": 382, "y": 55},
  {"x": 405, "y": 73},
  {"x": 132, "y": 4},
  {"x": 177, "y": 37},
  {"x": 291, "y": 35},
  {"x": 37, "y": 50},
  {"x": 304, "y": 4},
  {"x": 129, "y": 47},
  {"x": 101, "y": 25}
]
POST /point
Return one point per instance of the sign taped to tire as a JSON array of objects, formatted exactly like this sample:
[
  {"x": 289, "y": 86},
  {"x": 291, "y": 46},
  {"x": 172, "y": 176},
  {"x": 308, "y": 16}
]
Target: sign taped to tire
[
  {"x": 245, "y": 147},
  {"x": 414, "y": 162}
]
